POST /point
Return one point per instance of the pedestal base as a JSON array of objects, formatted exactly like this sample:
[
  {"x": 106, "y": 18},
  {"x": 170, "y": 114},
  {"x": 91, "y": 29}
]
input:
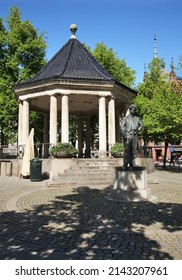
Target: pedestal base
[{"x": 130, "y": 184}]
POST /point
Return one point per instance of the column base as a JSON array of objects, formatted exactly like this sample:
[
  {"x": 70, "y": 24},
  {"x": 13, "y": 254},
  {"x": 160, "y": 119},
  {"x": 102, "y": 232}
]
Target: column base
[{"x": 102, "y": 154}]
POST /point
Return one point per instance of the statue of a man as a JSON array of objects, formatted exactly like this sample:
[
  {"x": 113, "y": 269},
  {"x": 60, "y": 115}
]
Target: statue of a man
[{"x": 130, "y": 126}]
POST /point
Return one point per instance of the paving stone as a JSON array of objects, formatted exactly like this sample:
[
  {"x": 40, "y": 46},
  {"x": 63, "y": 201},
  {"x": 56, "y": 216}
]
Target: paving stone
[{"x": 79, "y": 223}]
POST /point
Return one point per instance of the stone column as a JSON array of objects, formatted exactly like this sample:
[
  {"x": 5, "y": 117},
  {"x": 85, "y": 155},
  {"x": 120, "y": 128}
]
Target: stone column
[
  {"x": 80, "y": 136},
  {"x": 46, "y": 136},
  {"x": 65, "y": 119},
  {"x": 111, "y": 123},
  {"x": 118, "y": 133},
  {"x": 25, "y": 120},
  {"x": 87, "y": 152},
  {"x": 102, "y": 127},
  {"x": 20, "y": 124},
  {"x": 53, "y": 120}
]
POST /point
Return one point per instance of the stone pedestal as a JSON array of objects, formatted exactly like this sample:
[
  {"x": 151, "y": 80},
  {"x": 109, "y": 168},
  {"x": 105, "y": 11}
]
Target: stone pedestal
[
  {"x": 130, "y": 184},
  {"x": 6, "y": 168}
]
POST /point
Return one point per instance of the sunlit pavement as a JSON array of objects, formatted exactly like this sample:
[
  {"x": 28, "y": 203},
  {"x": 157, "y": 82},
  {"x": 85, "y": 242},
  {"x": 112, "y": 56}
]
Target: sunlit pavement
[{"x": 80, "y": 223}]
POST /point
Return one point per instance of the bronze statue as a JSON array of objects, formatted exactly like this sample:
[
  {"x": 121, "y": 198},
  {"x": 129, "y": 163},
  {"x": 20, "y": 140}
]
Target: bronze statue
[{"x": 130, "y": 126}]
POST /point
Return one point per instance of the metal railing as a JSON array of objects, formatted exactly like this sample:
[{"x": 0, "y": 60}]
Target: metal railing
[
  {"x": 12, "y": 152},
  {"x": 8, "y": 152},
  {"x": 42, "y": 151}
]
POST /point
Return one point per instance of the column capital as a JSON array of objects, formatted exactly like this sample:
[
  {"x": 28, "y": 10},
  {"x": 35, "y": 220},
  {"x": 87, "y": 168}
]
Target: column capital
[
  {"x": 111, "y": 98},
  {"x": 20, "y": 101},
  {"x": 54, "y": 94},
  {"x": 26, "y": 99},
  {"x": 65, "y": 94},
  {"x": 101, "y": 95}
]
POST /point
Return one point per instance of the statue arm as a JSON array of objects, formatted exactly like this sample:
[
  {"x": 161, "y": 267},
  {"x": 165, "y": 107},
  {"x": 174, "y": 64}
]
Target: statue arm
[
  {"x": 123, "y": 127},
  {"x": 140, "y": 125}
]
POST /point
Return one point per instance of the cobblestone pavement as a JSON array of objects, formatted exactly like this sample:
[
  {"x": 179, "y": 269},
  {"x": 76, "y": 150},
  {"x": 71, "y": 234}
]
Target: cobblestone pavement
[{"x": 80, "y": 223}]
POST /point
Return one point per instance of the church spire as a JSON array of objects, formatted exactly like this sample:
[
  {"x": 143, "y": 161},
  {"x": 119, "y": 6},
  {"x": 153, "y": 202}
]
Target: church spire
[
  {"x": 172, "y": 75},
  {"x": 155, "y": 45},
  {"x": 145, "y": 73}
]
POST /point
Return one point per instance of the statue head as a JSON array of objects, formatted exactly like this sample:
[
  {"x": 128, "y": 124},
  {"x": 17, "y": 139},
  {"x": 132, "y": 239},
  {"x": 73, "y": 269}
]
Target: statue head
[{"x": 132, "y": 109}]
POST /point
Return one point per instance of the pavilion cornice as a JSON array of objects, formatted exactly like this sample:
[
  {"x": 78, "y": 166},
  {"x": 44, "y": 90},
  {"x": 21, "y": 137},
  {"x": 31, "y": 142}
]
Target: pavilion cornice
[
  {"x": 73, "y": 87},
  {"x": 63, "y": 85},
  {"x": 65, "y": 82},
  {"x": 64, "y": 92}
]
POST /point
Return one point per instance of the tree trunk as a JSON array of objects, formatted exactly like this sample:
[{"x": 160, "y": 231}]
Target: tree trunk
[
  {"x": 165, "y": 153},
  {"x": 2, "y": 140}
]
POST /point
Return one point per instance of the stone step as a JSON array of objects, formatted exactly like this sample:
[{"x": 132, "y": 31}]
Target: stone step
[
  {"x": 87, "y": 172},
  {"x": 110, "y": 160},
  {"x": 57, "y": 184},
  {"x": 93, "y": 168},
  {"x": 85, "y": 177},
  {"x": 83, "y": 183},
  {"x": 97, "y": 162},
  {"x": 90, "y": 183}
]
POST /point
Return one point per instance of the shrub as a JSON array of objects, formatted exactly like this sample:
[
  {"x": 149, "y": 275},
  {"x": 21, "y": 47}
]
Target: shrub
[
  {"x": 117, "y": 150},
  {"x": 66, "y": 149}
]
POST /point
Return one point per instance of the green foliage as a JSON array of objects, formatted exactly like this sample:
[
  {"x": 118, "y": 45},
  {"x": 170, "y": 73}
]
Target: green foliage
[
  {"x": 115, "y": 66},
  {"x": 22, "y": 52},
  {"x": 161, "y": 116},
  {"x": 117, "y": 149},
  {"x": 67, "y": 148},
  {"x": 156, "y": 80},
  {"x": 37, "y": 122},
  {"x": 160, "y": 107}
]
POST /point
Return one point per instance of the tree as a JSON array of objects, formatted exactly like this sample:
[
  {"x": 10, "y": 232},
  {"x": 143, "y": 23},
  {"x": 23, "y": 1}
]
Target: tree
[
  {"x": 160, "y": 108},
  {"x": 22, "y": 55},
  {"x": 115, "y": 66},
  {"x": 118, "y": 69}
]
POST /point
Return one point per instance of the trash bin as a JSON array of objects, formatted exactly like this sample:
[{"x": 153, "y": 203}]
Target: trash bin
[{"x": 35, "y": 170}]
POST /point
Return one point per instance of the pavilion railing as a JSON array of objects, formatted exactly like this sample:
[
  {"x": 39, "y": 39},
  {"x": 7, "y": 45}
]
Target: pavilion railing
[
  {"x": 12, "y": 151},
  {"x": 41, "y": 150}
]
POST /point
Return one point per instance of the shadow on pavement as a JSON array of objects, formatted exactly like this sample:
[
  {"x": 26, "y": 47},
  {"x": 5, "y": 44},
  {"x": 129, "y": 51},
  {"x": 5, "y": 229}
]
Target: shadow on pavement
[{"x": 84, "y": 225}]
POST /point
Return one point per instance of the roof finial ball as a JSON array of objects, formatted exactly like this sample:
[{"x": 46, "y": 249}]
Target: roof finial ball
[{"x": 73, "y": 28}]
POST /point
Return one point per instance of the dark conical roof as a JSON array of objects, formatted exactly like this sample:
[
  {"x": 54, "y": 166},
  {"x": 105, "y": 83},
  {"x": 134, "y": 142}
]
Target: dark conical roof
[{"x": 72, "y": 61}]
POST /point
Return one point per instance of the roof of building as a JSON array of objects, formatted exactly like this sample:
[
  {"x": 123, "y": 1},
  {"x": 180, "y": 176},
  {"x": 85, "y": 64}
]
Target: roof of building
[{"x": 72, "y": 61}]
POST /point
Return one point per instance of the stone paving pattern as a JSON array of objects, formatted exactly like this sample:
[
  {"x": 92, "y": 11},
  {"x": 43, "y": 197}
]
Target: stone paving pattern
[{"x": 80, "y": 223}]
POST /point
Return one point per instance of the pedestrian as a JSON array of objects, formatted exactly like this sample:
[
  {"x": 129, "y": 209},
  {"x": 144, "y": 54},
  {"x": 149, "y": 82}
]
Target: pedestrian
[{"x": 172, "y": 159}]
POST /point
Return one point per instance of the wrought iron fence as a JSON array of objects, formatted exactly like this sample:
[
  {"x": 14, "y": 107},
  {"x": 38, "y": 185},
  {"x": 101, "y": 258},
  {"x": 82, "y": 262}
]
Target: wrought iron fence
[
  {"x": 11, "y": 152},
  {"x": 8, "y": 152}
]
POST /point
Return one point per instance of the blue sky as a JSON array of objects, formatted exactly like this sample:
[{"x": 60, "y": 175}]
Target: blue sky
[{"x": 127, "y": 26}]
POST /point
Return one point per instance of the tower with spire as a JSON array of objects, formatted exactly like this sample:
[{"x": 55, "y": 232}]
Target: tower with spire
[
  {"x": 145, "y": 73},
  {"x": 173, "y": 81},
  {"x": 155, "y": 45},
  {"x": 154, "y": 56}
]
